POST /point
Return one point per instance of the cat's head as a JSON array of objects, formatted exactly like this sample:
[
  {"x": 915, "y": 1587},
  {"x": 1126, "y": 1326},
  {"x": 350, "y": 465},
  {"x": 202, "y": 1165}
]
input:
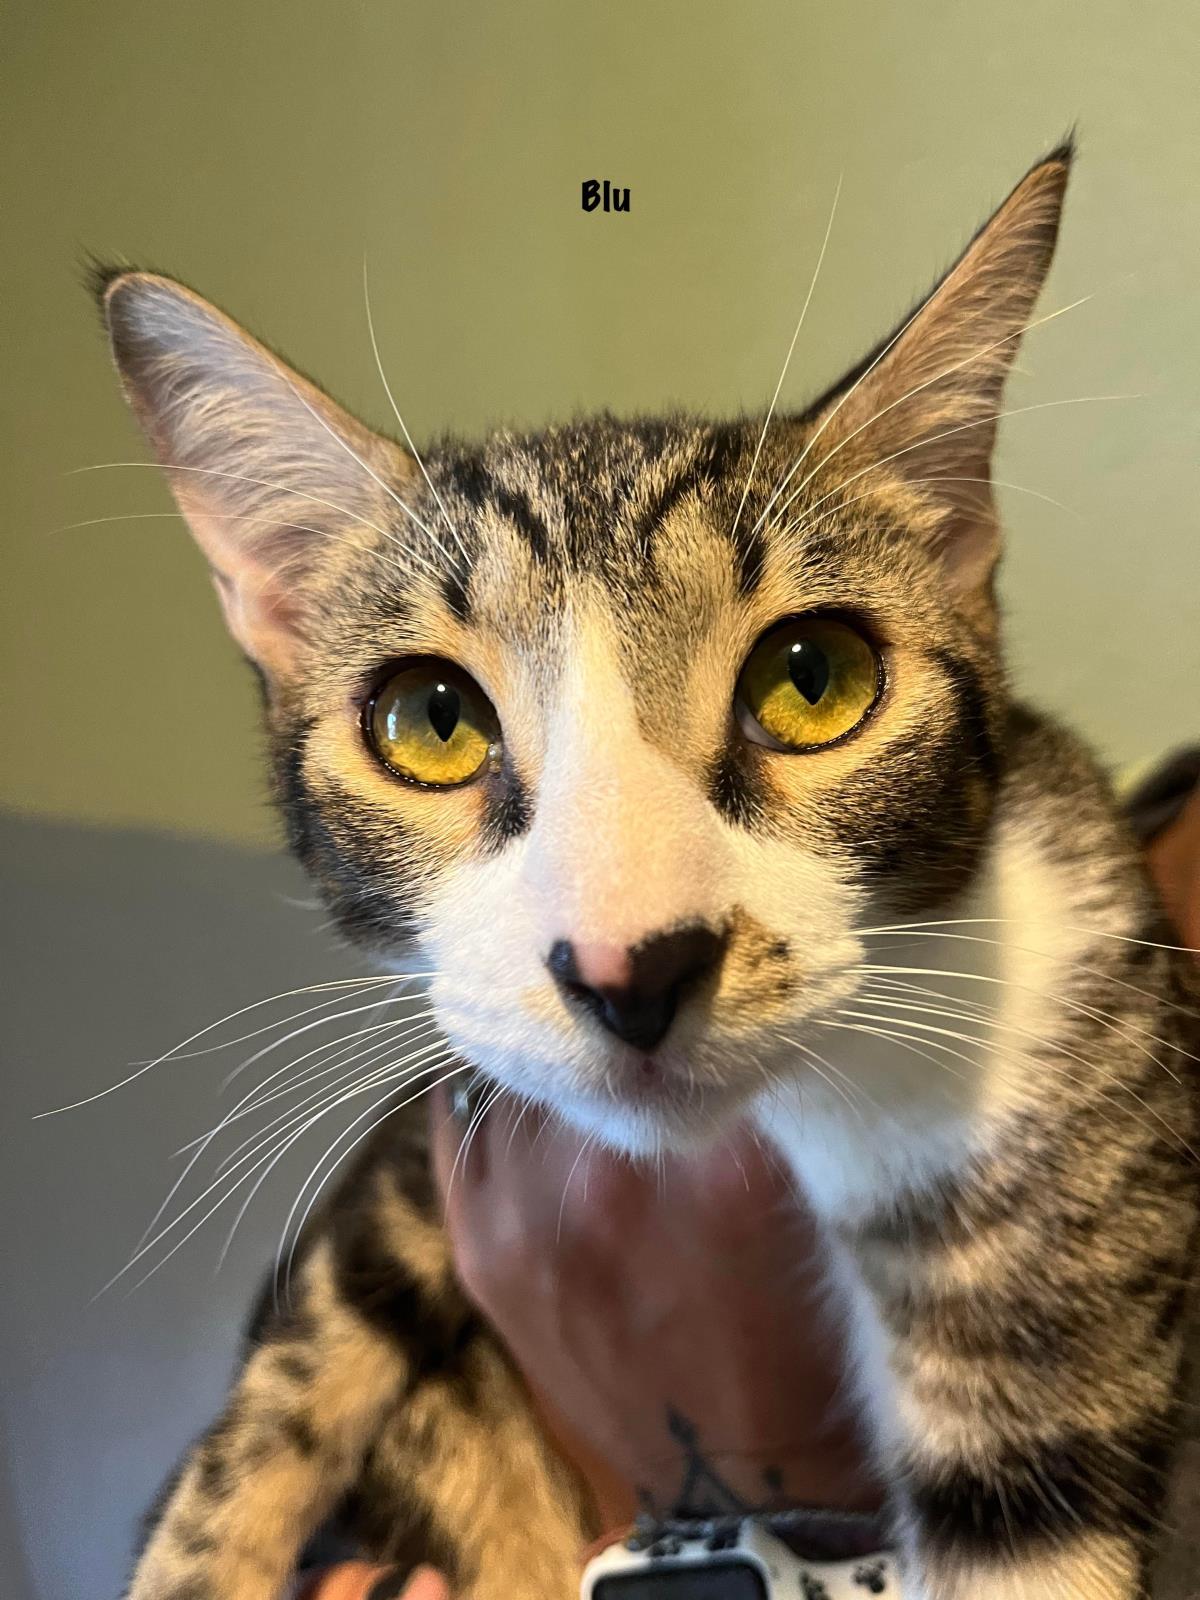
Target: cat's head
[{"x": 631, "y": 726}]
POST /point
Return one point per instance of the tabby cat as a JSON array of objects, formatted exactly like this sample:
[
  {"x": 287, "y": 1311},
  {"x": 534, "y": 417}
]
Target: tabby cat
[{"x": 681, "y": 753}]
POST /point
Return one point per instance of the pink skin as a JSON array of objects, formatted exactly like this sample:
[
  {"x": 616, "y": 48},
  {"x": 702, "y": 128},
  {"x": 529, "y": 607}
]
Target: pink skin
[
  {"x": 354, "y": 1580},
  {"x": 603, "y": 966}
]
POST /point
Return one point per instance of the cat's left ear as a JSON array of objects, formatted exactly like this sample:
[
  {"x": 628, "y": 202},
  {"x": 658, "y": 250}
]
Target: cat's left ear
[
  {"x": 272, "y": 476},
  {"x": 925, "y": 408}
]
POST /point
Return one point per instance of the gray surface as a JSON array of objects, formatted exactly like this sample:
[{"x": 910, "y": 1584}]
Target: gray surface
[{"x": 114, "y": 947}]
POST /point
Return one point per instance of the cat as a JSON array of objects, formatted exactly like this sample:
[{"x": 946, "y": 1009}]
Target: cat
[{"x": 682, "y": 753}]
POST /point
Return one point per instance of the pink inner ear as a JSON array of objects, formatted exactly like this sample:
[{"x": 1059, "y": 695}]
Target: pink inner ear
[
  {"x": 262, "y": 619},
  {"x": 266, "y": 469},
  {"x": 970, "y": 547}
]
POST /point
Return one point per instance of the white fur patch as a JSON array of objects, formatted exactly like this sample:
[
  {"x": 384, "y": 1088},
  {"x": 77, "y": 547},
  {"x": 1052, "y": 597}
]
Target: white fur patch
[{"x": 624, "y": 844}]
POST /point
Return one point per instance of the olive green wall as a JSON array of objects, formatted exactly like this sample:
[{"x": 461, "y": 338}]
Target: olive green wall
[{"x": 259, "y": 149}]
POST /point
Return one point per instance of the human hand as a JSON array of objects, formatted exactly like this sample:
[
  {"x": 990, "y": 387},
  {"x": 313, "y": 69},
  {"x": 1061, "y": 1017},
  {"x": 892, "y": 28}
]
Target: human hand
[
  {"x": 358, "y": 1580},
  {"x": 672, "y": 1324},
  {"x": 1174, "y": 860}
]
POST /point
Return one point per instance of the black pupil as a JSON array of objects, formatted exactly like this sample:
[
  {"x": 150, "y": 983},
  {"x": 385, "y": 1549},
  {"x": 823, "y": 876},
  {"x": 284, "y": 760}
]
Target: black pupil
[
  {"x": 808, "y": 668},
  {"x": 444, "y": 708}
]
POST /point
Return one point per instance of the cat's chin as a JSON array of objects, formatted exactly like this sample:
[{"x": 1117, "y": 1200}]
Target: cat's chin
[
  {"x": 626, "y": 1100},
  {"x": 651, "y": 1119}
]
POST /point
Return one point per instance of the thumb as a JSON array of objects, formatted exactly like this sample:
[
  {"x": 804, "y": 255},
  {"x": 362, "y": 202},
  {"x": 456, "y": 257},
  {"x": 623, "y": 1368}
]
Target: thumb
[
  {"x": 423, "y": 1584},
  {"x": 361, "y": 1580}
]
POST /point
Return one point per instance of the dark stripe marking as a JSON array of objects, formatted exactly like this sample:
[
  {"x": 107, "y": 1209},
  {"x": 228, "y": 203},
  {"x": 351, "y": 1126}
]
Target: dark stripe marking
[
  {"x": 652, "y": 518},
  {"x": 509, "y": 812},
  {"x": 516, "y": 509},
  {"x": 455, "y": 585},
  {"x": 296, "y": 1368},
  {"x": 300, "y": 1434},
  {"x": 972, "y": 705},
  {"x": 1082, "y": 1482},
  {"x": 736, "y": 791},
  {"x": 434, "y": 1333}
]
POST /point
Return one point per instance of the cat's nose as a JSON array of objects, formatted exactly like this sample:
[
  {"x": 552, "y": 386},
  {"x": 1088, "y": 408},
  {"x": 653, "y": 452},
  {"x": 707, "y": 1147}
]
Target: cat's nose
[{"x": 635, "y": 992}]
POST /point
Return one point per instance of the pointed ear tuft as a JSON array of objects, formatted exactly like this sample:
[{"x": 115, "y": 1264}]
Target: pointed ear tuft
[
  {"x": 924, "y": 407},
  {"x": 1065, "y": 150},
  {"x": 268, "y": 471},
  {"x": 97, "y": 273}
]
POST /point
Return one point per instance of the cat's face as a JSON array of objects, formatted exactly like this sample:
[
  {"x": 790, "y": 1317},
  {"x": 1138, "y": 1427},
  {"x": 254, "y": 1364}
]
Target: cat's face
[
  {"x": 631, "y": 740},
  {"x": 632, "y": 891}
]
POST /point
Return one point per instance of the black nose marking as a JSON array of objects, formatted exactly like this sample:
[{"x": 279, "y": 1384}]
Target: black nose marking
[{"x": 662, "y": 968}]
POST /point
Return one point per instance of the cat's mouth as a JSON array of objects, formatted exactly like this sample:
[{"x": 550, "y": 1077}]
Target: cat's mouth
[
  {"x": 679, "y": 1093},
  {"x": 649, "y": 1083},
  {"x": 644, "y": 1099}
]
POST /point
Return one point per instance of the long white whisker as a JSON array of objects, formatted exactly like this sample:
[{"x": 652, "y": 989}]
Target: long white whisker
[
  {"x": 1055, "y": 1049},
  {"x": 947, "y": 433},
  {"x": 788, "y": 358},
  {"x": 295, "y": 1016},
  {"x": 232, "y": 1016},
  {"x": 819, "y": 1064},
  {"x": 1007, "y": 1056},
  {"x": 522, "y": 1104},
  {"x": 898, "y": 1038},
  {"x": 362, "y": 1067},
  {"x": 387, "y": 389},
  {"x": 217, "y": 1183},
  {"x": 1057, "y": 1067},
  {"x": 1065, "y": 927},
  {"x": 583, "y": 1150},
  {"x": 308, "y": 1027},
  {"x": 196, "y": 1226},
  {"x": 464, "y": 1144},
  {"x": 200, "y": 1146},
  {"x": 389, "y": 1072},
  {"x": 1071, "y": 966},
  {"x": 280, "y": 488},
  {"x": 349, "y": 1055},
  {"x": 488, "y": 1095},
  {"x": 178, "y": 516},
  {"x": 1121, "y": 1026},
  {"x": 949, "y": 1012},
  {"x": 1003, "y": 483},
  {"x": 258, "y": 1139},
  {"x": 879, "y": 982},
  {"x": 973, "y": 1010},
  {"x": 367, "y": 468},
  {"x": 977, "y": 355},
  {"x": 806, "y": 522},
  {"x": 989, "y": 1016},
  {"x": 390, "y": 1111}
]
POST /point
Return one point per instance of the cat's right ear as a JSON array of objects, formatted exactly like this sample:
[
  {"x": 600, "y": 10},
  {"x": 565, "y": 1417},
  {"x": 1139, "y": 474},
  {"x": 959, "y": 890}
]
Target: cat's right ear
[
  {"x": 927, "y": 404},
  {"x": 268, "y": 471}
]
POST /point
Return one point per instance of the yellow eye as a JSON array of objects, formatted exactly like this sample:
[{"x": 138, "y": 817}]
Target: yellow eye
[
  {"x": 807, "y": 683},
  {"x": 433, "y": 724}
]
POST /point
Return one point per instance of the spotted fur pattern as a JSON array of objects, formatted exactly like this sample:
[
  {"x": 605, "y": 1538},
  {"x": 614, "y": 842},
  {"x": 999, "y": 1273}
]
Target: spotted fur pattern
[{"x": 940, "y": 991}]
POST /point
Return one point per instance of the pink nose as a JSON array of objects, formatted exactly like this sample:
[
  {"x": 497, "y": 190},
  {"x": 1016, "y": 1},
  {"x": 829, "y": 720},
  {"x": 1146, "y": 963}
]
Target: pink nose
[
  {"x": 635, "y": 992},
  {"x": 602, "y": 966}
]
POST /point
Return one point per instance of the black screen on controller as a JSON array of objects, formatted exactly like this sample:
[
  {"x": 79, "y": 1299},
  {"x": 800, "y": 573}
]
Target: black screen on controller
[{"x": 725, "y": 1580}]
